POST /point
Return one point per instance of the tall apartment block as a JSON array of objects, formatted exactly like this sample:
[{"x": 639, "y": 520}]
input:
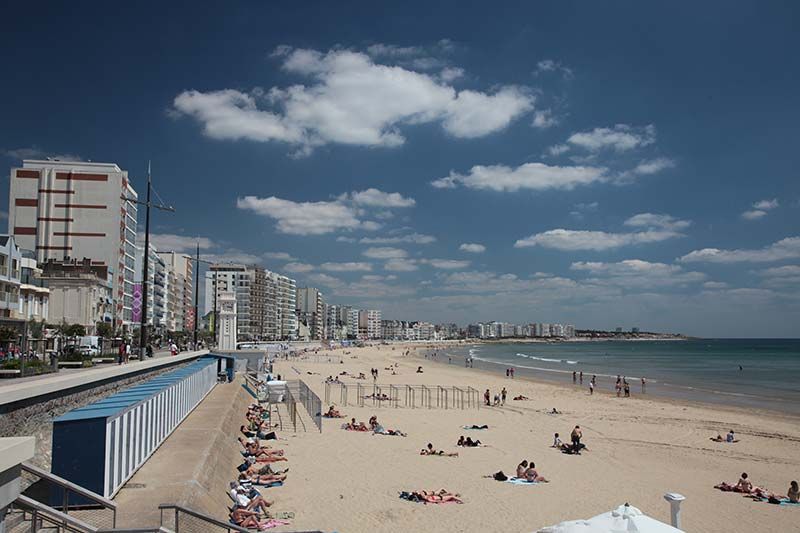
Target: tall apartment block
[
  {"x": 73, "y": 209},
  {"x": 311, "y": 311},
  {"x": 179, "y": 312},
  {"x": 265, "y": 300}
]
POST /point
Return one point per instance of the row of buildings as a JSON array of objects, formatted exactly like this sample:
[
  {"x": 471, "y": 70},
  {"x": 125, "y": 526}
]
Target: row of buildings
[
  {"x": 74, "y": 257},
  {"x": 500, "y": 330}
]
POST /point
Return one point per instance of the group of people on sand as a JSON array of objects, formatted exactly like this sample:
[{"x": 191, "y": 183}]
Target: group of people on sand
[
  {"x": 250, "y": 509},
  {"x": 746, "y": 487},
  {"x": 374, "y": 426},
  {"x": 430, "y": 450},
  {"x": 499, "y": 399},
  {"x": 574, "y": 447},
  {"x": 729, "y": 438},
  {"x": 526, "y": 472}
]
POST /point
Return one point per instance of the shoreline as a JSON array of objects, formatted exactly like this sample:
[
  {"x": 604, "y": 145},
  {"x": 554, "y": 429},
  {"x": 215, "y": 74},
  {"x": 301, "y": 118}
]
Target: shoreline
[{"x": 568, "y": 386}]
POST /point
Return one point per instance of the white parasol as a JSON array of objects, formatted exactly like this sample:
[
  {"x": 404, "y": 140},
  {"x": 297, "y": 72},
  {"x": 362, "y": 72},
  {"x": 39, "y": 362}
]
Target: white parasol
[{"x": 623, "y": 519}]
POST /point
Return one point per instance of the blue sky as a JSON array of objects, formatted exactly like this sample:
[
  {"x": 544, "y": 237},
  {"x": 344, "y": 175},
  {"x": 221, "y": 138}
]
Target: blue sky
[{"x": 600, "y": 164}]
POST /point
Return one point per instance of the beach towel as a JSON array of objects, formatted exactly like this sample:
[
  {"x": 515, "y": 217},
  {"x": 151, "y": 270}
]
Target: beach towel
[
  {"x": 783, "y": 501},
  {"x": 475, "y": 428},
  {"x": 520, "y": 481}
]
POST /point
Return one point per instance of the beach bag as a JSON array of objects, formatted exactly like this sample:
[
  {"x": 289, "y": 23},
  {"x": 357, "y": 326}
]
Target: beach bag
[{"x": 500, "y": 476}]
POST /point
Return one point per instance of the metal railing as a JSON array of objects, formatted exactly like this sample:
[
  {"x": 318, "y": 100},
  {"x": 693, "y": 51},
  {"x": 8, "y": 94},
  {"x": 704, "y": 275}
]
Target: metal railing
[
  {"x": 312, "y": 403},
  {"x": 409, "y": 396},
  {"x": 183, "y": 520},
  {"x": 68, "y": 498},
  {"x": 43, "y": 517}
]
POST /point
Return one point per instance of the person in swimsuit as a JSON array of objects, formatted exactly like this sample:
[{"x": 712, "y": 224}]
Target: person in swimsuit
[
  {"x": 429, "y": 450},
  {"x": 556, "y": 441},
  {"x": 576, "y": 436},
  {"x": 794, "y": 492},
  {"x": 533, "y": 476},
  {"x": 521, "y": 469}
]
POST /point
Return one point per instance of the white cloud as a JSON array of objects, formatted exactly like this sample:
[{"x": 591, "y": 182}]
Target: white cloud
[
  {"x": 620, "y": 138},
  {"x": 449, "y": 74},
  {"x": 169, "y": 242},
  {"x": 573, "y": 240},
  {"x": 766, "y": 204},
  {"x": 472, "y": 248},
  {"x": 446, "y": 264},
  {"x": 279, "y": 256},
  {"x": 783, "y": 271},
  {"x": 533, "y": 176},
  {"x": 557, "y": 149},
  {"x": 376, "y": 198},
  {"x": 35, "y": 152},
  {"x": 651, "y": 220},
  {"x": 298, "y": 267},
  {"x": 401, "y": 265},
  {"x": 788, "y": 248},
  {"x": 351, "y": 99},
  {"x": 382, "y": 252},
  {"x": 760, "y": 209},
  {"x": 303, "y": 218},
  {"x": 369, "y": 287},
  {"x": 413, "y": 238},
  {"x": 715, "y": 285},
  {"x": 346, "y": 267},
  {"x": 635, "y": 273},
  {"x": 342, "y": 238},
  {"x": 550, "y": 65},
  {"x": 653, "y": 166},
  {"x": 544, "y": 119},
  {"x": 754, "y": 214}
]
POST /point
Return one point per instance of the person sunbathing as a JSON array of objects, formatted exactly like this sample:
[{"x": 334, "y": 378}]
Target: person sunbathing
[
  {"x": 439, "y": 496},
  {"x": 520, "y": 397},
  {"x": 533, "y": 476},
  {"x": 744, "y": 486},
  {"x": 521, "y": 469},
  {"x": 243, "y": 499},
  {"x": 429, "y": 450},
  {"x": 557, "y": 443},
  {"x": 262, "y": 479},
  {"x": 730, "y": 437},
  {"x": 353, "y": 426},
  {"x": 244, "y": 518},
  {"x": 253, "y": 449},
  {"x": 469, "y": 443},
  {"x": 333, "y": 413}
]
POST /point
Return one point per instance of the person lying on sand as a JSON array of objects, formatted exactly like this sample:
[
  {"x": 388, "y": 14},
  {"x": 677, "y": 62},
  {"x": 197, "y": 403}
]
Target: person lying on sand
[
  {"x": 474, "y": 426},
  {"x": 730, "y": 437},
  {"x": 353, "y": 426},
  {"x": 419, "y": 370},
  {"x": 468, "y": 442},
  {"x": 554, "y": 412},
  {"x": 520, "y": 398},
  {"x": 744, "y": 486},
  {"x": 333, "y": 413},
  {"x": 429, "y": 450},
  {"x": 573, "y": 449},
  {"x": 533, "y": 476},
  {"x": 258, "y": 479},
  {"x": 249, "y": 520},
  {"x": 378, "y": 429},
  {"x": 260, "y": 434},
  {"x": 425, "y": 496}
]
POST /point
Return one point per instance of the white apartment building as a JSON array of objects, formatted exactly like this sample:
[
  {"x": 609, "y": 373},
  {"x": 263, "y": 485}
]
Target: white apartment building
[
  {"x": 10, "y": 276},
  {"x": 80, "y": 293},
  {"x": 369, "y": 324},
  {"x": 74, "y": 209},
  {"x": 34, "y": 297},
  {"x": 156, "y": 284},
  {"x": 179, "y": 289},
  {"x": 310, "y": 305}
]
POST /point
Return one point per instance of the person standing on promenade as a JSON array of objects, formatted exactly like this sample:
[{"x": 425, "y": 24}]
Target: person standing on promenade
[{"x": 120, "y": 353}]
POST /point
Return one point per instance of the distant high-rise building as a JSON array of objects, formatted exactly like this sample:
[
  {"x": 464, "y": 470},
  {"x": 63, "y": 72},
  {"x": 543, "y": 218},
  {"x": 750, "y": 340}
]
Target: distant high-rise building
[
  {"x": 310, "y": 306},
  {"x": 75, "y": 209},
  {"x": 179, "y": 286}
]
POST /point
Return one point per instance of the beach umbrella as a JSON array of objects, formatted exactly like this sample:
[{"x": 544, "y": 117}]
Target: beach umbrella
[{"x": 623, "y": 519}]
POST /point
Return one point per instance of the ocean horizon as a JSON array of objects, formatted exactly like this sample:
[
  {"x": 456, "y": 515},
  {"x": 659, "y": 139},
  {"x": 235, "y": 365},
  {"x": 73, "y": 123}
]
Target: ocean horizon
[{"x": 760, "y": 373}]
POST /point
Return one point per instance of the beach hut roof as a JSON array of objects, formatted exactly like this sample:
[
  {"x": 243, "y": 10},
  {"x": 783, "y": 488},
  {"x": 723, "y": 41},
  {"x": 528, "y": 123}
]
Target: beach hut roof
[{"x": 623, "y": 519}]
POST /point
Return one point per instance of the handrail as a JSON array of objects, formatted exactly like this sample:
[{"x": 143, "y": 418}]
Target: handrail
[
  {"x": 105, "y": 502},
  {"x": 55, "y": 515},
  {"x": 201, "y": 516},
  {"x": 159, "y": 529}
]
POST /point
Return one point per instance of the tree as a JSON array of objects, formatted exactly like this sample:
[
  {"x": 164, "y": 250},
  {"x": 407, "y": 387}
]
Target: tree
[
  {"x": 8, "y": 334},
  {"x": 74, "y": 330},
  {"x": 105, "y": 330},
  {"x": 35, "y": 329}
]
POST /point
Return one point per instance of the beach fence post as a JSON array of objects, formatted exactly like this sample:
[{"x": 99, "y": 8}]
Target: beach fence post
[
  {"x": 395, "y": 395},
  {"x": 675, "y": 501},
  {"x": 360, "y": 394},
  {"x": 343, "y": 394},
  {"x": 327, "y": 393}
]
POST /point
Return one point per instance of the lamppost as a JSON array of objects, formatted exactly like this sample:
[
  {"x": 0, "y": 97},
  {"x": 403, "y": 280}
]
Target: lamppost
[
  {"x": 197, "y": 262},
  {"x": 146, "y": 258}
]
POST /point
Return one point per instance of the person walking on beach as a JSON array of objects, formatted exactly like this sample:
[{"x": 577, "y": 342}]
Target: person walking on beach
[
  {"x": 575, "y": 436},
  {"x": 581, "y": 377},
  {"x": 574, "y": 377},
  {"x": 591, "y": 388},
  {"x": 594, "y": 379},
  {"x": 512, "y": 372},
  {"x": 644, "y": 384},
  {"x": 503, "y": 394},
  {"x": 508, "y": 373},
  {"x": 627, "y": 390},
  {"x": 487, "y": 397}
]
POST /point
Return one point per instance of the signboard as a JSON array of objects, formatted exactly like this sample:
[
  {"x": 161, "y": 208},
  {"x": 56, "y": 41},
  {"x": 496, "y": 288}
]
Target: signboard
[
  {"x": 137, "y": 302},
  {"x": 190, "y": 318}
]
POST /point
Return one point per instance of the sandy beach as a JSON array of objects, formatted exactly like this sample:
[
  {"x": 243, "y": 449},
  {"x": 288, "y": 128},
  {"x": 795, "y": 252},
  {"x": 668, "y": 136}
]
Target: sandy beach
[{"x": 638, "y": 449}]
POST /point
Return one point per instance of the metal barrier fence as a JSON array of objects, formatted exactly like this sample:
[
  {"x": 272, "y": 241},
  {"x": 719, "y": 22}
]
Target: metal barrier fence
[
  {"x": 312, "y": 404},
  {"x": 181, "y": 519},
  {"x": 408, "y": 396}
]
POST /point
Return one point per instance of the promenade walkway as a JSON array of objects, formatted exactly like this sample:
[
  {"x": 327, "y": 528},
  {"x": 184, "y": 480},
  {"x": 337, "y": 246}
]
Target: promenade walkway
[{"x": 20, "y": 390}]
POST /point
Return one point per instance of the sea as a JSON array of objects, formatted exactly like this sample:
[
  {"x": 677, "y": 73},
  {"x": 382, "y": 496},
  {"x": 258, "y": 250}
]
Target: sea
[{"x": 760, "y": 373}]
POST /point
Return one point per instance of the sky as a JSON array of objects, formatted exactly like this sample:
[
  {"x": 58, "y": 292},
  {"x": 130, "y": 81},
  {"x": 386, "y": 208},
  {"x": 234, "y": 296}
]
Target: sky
[{"x": 622, "y": 164}]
